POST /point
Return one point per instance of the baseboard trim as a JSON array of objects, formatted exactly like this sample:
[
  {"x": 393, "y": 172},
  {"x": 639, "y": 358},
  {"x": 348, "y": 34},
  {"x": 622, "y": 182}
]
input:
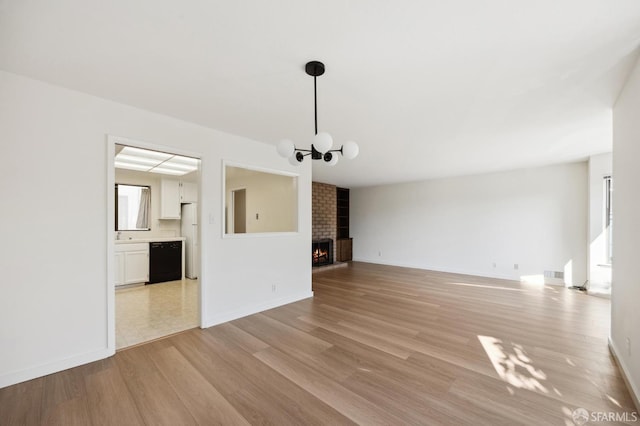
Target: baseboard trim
[
  {"x": 635, "y": 395},
  {"x": 254, "y": 309},
  {"x": 437, "y": 269},
  {"x": 53, "y": 367}
]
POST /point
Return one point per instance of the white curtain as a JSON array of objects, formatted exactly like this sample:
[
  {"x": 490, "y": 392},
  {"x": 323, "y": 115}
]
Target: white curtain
[{"x": 143, "y": 210}]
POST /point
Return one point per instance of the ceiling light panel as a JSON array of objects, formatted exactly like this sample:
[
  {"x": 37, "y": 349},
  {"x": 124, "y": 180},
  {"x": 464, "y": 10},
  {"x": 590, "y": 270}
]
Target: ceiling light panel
[
  {"x": 178, "y": 166},
  {"x": 131, "y": 166},
  {"x": 167, "y": 171},
  {"x": 137, "y": 160},
  {"x": 145, "y": 153},
  {"x": 185, "y": 160},
  {"x": 155, "y": 162}
]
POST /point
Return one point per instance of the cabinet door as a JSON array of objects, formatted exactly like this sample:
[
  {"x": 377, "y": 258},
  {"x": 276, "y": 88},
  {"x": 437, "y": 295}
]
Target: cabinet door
[
  {"x": 188, "y": 192},
  {"x": 136, "y": 267},
  {"x": 344, "y": 250},
  {"x": 169, "y": 199},
  {"x": 118, "y": 263}
]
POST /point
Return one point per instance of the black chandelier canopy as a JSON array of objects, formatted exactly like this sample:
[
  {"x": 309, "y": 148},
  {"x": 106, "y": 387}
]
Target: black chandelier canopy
[{"x": 322, "y": 142}]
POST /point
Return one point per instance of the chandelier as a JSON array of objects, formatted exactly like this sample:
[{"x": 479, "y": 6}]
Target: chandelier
[{"x": 322, "y": 142}]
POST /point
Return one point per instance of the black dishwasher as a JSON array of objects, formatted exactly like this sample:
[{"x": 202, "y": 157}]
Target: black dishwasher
[{"x": 165, "y": 261}]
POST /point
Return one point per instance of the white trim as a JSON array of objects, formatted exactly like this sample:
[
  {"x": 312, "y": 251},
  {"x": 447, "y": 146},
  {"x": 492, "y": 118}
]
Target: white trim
[
  {"x": 111, "y": 218},
  {"x": 257, "y": 168},
  {"x": 223, "y": 220},
  {"x": 633, "y": 390},
  {"x": 260, "y": 235},
  {"x": 52, "y": 367},
  {"x": 254, "y": 309},
  {"x": 152, "y": 146},
  {"x": 110, "y": 288}
]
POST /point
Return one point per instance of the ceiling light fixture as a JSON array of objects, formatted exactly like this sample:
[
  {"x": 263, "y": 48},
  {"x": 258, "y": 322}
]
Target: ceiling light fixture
[
  {"x": 322, "y": 142},
  {"x": 145, "y": 160}
]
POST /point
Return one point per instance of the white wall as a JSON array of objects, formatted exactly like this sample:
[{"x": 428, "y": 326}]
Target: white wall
[
  {"x": 159, "y": 228},
  {"x": 625, "y": 287},
  {"x": 599, "y": 275},
  {"x": 54, "y": 290},
  {"x": 534, "y": 218}
]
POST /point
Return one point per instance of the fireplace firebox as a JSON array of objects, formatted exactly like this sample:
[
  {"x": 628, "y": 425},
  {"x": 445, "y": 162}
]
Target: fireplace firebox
[{"x": 322, "y": 252}]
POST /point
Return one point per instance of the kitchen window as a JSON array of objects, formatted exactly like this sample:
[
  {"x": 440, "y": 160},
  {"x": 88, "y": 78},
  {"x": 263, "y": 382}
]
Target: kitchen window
[{"x": 133, "y": 207}]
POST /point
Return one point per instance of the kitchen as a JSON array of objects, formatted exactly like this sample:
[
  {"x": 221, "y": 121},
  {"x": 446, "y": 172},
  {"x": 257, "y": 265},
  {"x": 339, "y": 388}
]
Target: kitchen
[{"x": 156, "y": 244}]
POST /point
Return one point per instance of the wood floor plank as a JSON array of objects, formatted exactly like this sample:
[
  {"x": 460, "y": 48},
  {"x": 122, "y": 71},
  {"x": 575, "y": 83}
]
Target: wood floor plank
[
  {"x": 365, "y": 358},
  {"x": 70, "y": 412},
  {"x": 205, "y": 403},
  {"x": 346, "y": 402},
  {"x": 367, "y": 337},
  {"x": 21, "y": 403},
  {"x": 274, "y": 332},
  {"x": 109, "y": 401},
  {"x": 64, "y": 400},
  {"x": 241, "y": 338},
  {"x": 154, "y": 397}
]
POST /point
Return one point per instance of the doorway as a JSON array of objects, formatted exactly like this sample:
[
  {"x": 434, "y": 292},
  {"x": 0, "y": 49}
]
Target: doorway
[
  {"x": 139, "y": 311},
  {"x": 239, "y": 198}
]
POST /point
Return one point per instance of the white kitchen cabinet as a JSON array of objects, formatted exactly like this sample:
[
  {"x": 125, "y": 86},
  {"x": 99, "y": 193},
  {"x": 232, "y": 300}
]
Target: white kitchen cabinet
[
  {"x": 169, "y": 199},
  {"x": 131, "y": 263},
  {"x": 119, "y": 268},
  {"x": 136, "y": 266},
  {"x": 188, "y": 192}
]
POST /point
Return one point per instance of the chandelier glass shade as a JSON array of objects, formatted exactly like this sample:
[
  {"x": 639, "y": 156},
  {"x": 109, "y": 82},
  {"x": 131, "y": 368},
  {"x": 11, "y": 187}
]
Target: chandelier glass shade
[{"x": 321, "y": 148}]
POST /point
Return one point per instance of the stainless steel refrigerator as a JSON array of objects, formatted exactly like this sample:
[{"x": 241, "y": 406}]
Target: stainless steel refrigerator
[{"x": 191, "y": 246}]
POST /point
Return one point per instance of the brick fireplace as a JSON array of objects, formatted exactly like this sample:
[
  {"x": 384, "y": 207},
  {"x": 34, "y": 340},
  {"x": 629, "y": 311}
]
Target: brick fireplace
[{"x": 323, "y": 208}]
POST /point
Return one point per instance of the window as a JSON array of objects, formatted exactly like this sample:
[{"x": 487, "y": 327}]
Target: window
[
  {"x": 259, "y": 201},
  {"x": 608, "y": 217},
  {"x": 133, "y": 207}
]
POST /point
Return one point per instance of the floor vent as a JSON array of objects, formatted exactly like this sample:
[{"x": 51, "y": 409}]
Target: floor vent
[{"x": 554, "y": 274}]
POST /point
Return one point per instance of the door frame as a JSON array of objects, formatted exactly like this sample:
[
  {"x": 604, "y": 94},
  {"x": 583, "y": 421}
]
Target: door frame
[{"x": 112, "y": 140}]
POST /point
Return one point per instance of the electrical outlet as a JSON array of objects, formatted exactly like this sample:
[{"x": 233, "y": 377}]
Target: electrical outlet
[
  {"x": 379, "y": 253},
  {"x": 273, "y": 288},
  {"x": 628, "y": 346},
  {"x": 516, "y": 266}
]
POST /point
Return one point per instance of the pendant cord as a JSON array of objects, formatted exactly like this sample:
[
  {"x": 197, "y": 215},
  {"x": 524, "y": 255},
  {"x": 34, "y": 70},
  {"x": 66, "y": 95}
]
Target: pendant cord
[{"x": 315, "y": 103}]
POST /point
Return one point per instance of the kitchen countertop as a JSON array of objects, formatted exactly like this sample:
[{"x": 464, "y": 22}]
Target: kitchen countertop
[{"x": 149, "y": 240}]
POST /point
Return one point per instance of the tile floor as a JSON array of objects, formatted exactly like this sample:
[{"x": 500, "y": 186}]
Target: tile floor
[{"x": 147, "y": 312}]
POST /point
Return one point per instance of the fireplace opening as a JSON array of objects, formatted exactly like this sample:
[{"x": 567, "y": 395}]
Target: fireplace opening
[{"x": 322, "y": 252}]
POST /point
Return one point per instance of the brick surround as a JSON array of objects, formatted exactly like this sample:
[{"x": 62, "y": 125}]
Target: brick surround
[{"x": 323, "y": 211}]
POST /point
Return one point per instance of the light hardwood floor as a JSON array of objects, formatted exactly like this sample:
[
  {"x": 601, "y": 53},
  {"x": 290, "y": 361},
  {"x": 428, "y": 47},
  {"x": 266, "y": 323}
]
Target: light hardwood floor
[{"x": 376, "y": 345}]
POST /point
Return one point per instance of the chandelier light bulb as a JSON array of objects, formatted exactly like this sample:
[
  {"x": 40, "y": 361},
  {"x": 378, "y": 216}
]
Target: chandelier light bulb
[
  {"x": 286, "y": 148},
  {"x": 322, "y": 142},
  {"x": 350, "y": 150},
  {"x": 334, "y": 159},
  {"x": 294, "y": 161}
]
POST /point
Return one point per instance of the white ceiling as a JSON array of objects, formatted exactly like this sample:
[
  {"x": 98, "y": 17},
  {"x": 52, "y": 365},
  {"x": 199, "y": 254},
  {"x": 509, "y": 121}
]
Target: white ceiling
[{"x": 426, "y": 88}]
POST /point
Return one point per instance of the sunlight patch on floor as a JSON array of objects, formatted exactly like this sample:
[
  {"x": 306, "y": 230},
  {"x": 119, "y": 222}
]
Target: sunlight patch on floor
[
  {"x": 512, "y": 364},
  {"x": 533, "y": 279},
  {"x": 613, "y": 400},
  {"x": 487, "y": 286}
]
